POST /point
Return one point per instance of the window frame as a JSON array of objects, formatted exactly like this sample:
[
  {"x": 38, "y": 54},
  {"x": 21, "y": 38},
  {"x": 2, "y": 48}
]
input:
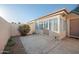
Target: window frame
[{"x": 53, "y": 24}]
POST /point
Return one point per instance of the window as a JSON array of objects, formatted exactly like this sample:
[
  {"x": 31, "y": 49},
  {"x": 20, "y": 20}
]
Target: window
[
  {"x": 36, "y": 26},
  {"x": 62, "y": 25},
  {"x": 49, "y": 24},
  {"x": 46, "y": 25},
  {"x": 41, "y": 26},
  {"x": 53, "y": 24}
]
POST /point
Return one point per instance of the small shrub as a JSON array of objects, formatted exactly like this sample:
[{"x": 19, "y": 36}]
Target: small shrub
[
  {"x": 11, "y": 42},
  {"x": 24, "y": 29}
]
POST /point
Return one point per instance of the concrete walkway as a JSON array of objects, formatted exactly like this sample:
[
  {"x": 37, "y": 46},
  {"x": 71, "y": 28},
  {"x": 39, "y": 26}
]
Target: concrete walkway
[{"x": 43, "y": 44}]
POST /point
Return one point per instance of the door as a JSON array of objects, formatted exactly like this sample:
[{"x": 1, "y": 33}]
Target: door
[{"x": 74, "y": 28}]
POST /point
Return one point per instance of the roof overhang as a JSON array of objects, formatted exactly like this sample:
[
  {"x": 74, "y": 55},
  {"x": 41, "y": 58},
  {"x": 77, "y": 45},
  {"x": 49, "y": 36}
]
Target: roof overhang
[{"x": 62, "y": 11}]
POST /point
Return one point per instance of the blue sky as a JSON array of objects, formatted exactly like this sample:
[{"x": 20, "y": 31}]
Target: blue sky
[{"x": 27, "y": 12}]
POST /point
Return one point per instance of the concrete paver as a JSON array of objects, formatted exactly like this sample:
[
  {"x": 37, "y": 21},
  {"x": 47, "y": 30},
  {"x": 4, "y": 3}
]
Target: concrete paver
[{"x": 43, "y": 44}]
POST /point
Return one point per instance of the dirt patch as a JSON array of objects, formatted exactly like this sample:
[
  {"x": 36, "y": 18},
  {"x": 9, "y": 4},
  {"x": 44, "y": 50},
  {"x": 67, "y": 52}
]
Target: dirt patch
[{"x": 17, "y": 48}]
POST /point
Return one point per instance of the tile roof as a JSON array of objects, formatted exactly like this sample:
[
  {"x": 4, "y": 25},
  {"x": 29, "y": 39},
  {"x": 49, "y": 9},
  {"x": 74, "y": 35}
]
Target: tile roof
[{"x": 76, "y": 10}]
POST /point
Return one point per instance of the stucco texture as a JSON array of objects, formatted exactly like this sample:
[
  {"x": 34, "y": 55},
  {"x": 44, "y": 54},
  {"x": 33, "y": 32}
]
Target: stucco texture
[{"x": 4, "y": 33}]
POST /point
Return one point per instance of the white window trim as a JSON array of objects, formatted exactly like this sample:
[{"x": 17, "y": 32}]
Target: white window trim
[{"x": 58, "y": 24}]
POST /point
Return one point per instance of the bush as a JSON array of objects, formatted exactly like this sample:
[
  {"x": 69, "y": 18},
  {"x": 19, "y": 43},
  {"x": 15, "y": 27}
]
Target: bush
[
  {"x": 11, "y": 42},
  {"x": 24, "y": 29}
]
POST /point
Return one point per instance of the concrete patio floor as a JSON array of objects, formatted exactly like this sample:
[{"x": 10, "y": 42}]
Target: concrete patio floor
[{"x": 43, "y": 44}]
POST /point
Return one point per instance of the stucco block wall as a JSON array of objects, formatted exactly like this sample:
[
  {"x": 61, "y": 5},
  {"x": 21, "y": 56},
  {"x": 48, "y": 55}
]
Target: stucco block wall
[
  {"x": 4, "y": 33},
  {"x": 14, "y": 30}
]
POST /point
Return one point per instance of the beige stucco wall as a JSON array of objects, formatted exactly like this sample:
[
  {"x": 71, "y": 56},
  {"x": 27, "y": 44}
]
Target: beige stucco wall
[
  {"x": 63, "y": 26},
  {"x": 14, "y": 30},
  {"x": 4, "y": 33}
]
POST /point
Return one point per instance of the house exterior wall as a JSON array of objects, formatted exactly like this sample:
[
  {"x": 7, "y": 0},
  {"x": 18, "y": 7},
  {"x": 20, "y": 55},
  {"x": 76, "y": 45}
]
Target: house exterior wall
[
  {"x": 70, "y": 17},
  {"x": 63, "y": 27},
  {"x": 57, "y": 33},
  {"x": 4, "y": 33}
]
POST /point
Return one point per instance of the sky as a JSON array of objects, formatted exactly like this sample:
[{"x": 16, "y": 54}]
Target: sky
[{"x": 26, "y": 12}]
